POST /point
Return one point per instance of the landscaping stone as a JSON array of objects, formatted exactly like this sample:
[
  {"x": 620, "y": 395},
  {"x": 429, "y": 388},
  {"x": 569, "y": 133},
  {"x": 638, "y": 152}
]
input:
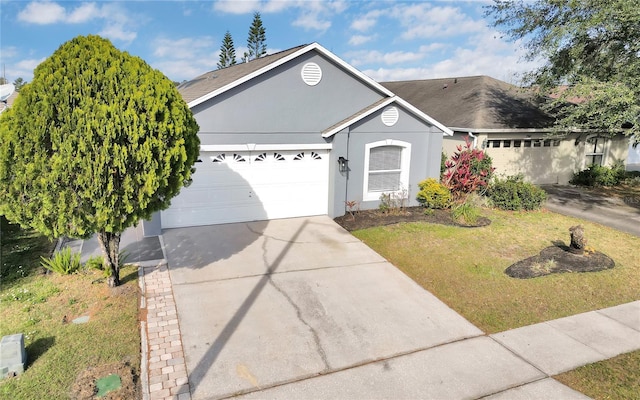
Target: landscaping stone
[
  {"x": 558, "y": 259},
  {"x": 81, "y": 320},
  {"x": 578, "y": 241},
  {"x": 13, "y": 356}
]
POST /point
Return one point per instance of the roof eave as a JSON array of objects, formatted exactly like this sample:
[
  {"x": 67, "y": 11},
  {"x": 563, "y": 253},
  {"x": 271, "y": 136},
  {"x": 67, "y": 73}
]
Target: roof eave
[
  {"x": 395, "y": 99},
  {"x": 357, "y": 118},
  {"x": 283, "y": 60}
]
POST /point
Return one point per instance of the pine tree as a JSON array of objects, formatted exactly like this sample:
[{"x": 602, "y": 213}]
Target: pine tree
[
  {"x": 95, "y": 142},
  {"x": 257, "y": 40},
  {"x": 227, "y": 52},
  {"x": 19, "y": 83}
]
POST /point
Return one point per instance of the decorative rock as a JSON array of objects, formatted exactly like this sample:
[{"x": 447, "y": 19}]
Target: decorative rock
[
  {"x": 13, "y": 356},
  {"x": 578, "y": 241},
  {"x": 81, "y": 320}
]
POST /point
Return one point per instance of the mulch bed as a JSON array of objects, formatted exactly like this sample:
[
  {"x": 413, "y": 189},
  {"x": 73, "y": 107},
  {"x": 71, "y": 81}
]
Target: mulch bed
[
  {"x": 559, "y": 259},
  {"x": 370, "y": 218}
]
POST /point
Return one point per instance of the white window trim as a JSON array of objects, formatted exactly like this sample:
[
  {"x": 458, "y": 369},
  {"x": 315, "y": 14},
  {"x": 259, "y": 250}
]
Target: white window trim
[
  {"x": 405, "y": 163},
  {"x": 589, "y": 147}
]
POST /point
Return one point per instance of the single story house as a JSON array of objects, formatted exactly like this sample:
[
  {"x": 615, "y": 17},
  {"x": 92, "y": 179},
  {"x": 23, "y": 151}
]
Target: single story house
[
  {"x": 299, "y": 133},
  {"x": 504, "y": 120}
]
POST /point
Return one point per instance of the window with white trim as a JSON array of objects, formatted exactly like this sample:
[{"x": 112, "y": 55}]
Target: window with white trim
[
  {"x": 386, "y": 168},
  {"x": 595, "y": 148}
]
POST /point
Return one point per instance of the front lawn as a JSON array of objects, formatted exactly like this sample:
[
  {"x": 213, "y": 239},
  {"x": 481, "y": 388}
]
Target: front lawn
[
  {"x": 464, "y": 267},
  {"x": 43, "y": 306}
]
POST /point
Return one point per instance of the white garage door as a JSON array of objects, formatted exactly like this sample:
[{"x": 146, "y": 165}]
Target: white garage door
[{"x": 237, "y": 186}]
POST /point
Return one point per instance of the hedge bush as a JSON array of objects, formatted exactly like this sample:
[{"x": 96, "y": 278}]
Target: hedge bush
[
  {"x": 513, "y": 193},
  {"x": 433, "y": 194},
  {"x": 597, "y": 175}
]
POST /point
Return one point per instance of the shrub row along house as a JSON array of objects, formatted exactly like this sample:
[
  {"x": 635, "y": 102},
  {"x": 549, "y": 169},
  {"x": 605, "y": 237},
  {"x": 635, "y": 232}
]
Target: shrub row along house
[
  {"x": 299, "y": 133},
  {"x": 504, "y": 120}
]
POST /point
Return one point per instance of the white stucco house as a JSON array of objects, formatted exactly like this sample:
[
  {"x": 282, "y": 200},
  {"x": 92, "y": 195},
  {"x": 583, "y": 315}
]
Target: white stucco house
[{"x": 504, "y": 120}]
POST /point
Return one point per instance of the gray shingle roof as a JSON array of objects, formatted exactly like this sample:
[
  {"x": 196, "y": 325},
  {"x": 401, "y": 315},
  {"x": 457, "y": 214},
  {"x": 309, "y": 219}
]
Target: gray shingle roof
[
  {"x": 479, "y": 102},
  {"x": 213, "y": 80}
]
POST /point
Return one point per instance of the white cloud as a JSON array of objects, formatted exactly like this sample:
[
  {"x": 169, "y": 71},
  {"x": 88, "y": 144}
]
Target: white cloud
[
  {"x": 184, "y": 48},
  {"x": 312, "y": 21},
  {"x": 116, "y": 31},
  {"x": 367, "y": 21},
  {"x": 250, "y": 6},
  {"x": 180, "y": 70},
  {"x": 22, "y": 69},
  {"x": 118, "y": 25},
  {"x": 316, "y": 15},
  {"x": 237, "y": 7},
  {"x": 84, "y": 13},
  {"x": 357, "y": 40},
  {"x": 8, "y": 52},
  {"x": 366, "y": 57},
  {"x": 425, "y": 21},
  {"x": 185, "y": 58},
  {"x": 42, "y": 13},
  {"x": 313, "y": 15},
  {"x": 489, "y": 56}
]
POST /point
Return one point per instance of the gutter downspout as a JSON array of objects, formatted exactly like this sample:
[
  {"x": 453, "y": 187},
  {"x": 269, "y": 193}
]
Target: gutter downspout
[{"x": 475, "y": 139}]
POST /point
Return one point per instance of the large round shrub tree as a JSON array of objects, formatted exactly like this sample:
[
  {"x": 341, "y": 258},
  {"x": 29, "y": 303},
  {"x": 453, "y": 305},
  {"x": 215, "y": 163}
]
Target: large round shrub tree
[{"x": 95, "y": 142}]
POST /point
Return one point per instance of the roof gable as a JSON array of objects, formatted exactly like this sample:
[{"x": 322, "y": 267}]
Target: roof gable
[
  {"x": 477, "y": 102},
  {"x": 379, "y": 105},
  {"x": 213, "y": 83}
]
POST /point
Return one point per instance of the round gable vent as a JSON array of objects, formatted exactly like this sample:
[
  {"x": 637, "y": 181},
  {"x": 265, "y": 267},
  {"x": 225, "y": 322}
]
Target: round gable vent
[
  {"x": 390, "y": 116},
  {"x": 311, "y": 74}
]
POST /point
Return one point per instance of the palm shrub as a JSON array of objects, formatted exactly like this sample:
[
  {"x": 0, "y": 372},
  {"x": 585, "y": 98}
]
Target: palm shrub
[
  {"x": 468, "y": 171},
  {"x": 433, "y": 194},
  {"x": 63, "y": 262},
  {"x": 512, "y": 193}
]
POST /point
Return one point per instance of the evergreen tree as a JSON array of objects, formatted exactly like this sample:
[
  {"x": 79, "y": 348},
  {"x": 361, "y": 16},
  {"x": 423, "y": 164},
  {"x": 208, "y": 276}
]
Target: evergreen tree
[
  {"x": 257, "y": 40},
  {"x": 19, "y": 83},
  {"x": 227, "y": 52},
  {"x": 97, "y": 141}
]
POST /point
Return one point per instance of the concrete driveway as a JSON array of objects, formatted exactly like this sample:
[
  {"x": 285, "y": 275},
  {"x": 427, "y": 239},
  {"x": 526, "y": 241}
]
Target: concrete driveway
[
  {"x": 620, "y": 214},
  {"x": 277, "y": 305}
]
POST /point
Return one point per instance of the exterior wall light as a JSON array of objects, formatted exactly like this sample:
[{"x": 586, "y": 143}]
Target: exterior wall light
[{"x": 343, "y": 164}]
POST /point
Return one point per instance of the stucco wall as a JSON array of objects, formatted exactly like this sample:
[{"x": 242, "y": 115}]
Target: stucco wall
[
  {"x": 547, "y": 165},
  {"x": 278, "y": 107},
  {"x": 426, "y": 145}
]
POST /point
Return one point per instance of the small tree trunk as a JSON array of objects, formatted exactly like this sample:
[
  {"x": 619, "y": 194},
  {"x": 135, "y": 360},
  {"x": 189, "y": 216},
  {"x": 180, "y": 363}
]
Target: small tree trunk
[{"x": 110, "y": 245}]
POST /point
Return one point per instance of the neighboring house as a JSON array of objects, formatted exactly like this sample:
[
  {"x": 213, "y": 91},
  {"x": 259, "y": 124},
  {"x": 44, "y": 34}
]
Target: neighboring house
[
  {"x": 503, "y": 120},
  {"x": 8, "y": 102},
  {"x": 299, "y": 133}
]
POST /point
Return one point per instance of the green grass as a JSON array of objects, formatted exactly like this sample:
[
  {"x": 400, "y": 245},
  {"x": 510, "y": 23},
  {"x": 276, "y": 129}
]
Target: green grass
[
  {"x": 616, "y": 378},
  {"x": 465, "y": 269},
  {"x": 36, "y": 304}
]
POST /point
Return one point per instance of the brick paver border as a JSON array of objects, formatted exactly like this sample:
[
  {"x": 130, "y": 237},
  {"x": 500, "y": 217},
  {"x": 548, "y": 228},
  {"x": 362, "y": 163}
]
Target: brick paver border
[{"x": 163, "y": 368}]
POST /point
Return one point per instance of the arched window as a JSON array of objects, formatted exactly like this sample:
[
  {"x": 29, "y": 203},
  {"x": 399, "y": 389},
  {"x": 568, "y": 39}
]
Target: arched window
[{"x": 386, "y": 168}]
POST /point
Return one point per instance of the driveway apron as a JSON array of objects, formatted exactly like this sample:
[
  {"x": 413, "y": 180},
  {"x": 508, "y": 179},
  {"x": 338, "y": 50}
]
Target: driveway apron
[{"x": 266, "y": 303}]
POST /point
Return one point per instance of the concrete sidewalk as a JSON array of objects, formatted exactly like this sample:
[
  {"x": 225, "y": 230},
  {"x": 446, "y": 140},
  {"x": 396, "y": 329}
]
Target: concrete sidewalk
[{"x": 620, "y": 214}]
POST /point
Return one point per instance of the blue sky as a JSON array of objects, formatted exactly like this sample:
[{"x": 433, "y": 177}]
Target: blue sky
[{"x": 387, "y": 40}]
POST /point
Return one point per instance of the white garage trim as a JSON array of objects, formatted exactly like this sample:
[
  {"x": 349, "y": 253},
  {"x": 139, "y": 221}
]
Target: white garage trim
[{"x": 265, "y": 147}]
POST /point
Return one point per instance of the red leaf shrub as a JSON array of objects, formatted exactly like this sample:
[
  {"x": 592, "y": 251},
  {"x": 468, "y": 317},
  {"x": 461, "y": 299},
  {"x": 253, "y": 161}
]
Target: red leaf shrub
[{"x": 467, "y": 171}]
